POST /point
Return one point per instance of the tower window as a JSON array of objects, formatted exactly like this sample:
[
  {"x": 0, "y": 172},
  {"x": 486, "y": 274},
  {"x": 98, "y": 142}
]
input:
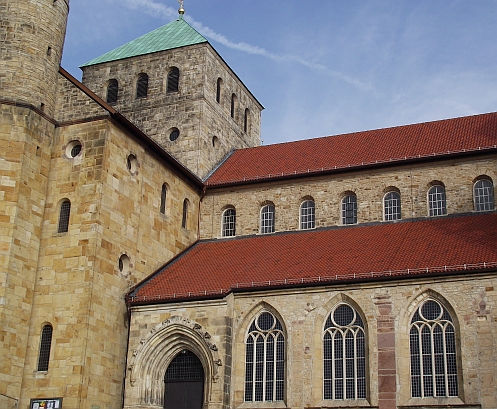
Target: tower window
[
  {"x": 132, "y": 164},
  {"x": 246, "y": 121},
  {"x": 112, "y": 90},
  {"x": 184, "y": 219},
  {"x": 65, "y": 211},
  {"x": 124, "y": 264},
  {"x": 234, "y": 105},
  {"x": 142, "y": 86},
  {"x": 174, "y": 134},
  {"x": 163, "y": 199},
  {"x": 173, "y": 80},
  {"x": 45, "y": 346},
  {"x": 219, "y": 85},
  {"x": 73, "y": 149},
  {"x": 483, "y": 192}
]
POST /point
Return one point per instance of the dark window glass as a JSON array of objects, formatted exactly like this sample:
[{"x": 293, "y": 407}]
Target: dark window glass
[
  {"x": 218, "y": 89},
  {"x": 112, "y": 90},
  {"x": 174, "y": 135},
  {"x": 246, "y": 120},
  {"x": 185, "y": 214},
  {"x": 163, "y": 199},
  {"x": 185, "y": 367},
  {"x": 142, "y": 86},
  {"x": 45, "y": 345},
  {"x": 173, "y": 80},
  {"x": 233, "y": 106},
  {"x": 65, "y": 211}
]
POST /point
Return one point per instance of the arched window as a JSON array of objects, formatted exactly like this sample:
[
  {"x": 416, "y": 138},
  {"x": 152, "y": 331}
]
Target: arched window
[
  {"x": 391, "y": 206},
  {"x": 45, "y": 345},
  {"x": 173, "y": 80},
  {"x": 344, "y": 355},
  {"x": 142, "y": 86},
  {"x": 163, "y": 196},
  {"x": 433, "y": 352},
  {"x": 483, "y": 192},
  {"x": 267, "y": 219},
  {"x": 307, "y": 215},
  {"x": 436, "y": 201},
  {"x": 349, "y": 209},
  {"x": 265, "y": 360},
  {"x": 229, "y": 222},
  {"x": 184, "y": 219},
  {"x": 234, "y": 103},
  {"x": 112, "y": 90},
  {"x": 219, "y": 86},
  {"x": 65, "y": 212},
  {"x": 246, "y": 121}
]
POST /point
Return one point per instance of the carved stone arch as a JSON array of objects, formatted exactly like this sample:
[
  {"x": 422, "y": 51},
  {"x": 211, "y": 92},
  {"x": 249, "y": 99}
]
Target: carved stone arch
[
  {"x": 162, "y": 344},
  {"x": 250, "y": 316},
  {"x": 324, "y": 311}
]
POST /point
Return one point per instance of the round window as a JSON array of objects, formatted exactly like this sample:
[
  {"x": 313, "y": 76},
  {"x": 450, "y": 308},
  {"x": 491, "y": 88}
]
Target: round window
[
  {"x": 132, "y": 163},
  {"x": 73, "y": 149},
  {"x": 174, "y": 134},
  {"x": 124, "y": 264}
]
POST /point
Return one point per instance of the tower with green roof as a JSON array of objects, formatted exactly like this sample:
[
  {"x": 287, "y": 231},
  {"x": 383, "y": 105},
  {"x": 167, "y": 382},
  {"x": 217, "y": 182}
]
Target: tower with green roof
[{"x": 177, "y": 89}]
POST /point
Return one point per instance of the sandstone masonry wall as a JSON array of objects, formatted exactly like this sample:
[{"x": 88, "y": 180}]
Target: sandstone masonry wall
[{"x": 413, "y": 183}]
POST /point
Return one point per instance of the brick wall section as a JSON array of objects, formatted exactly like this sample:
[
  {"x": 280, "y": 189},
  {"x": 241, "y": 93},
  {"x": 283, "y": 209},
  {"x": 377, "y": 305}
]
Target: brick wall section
[
  {"x": 387, "y": 309},
  {"x": 193, "y": 109},
  {"x": 413, "y": 183},
  {"x": 25, "y": 140},
  {"x": 79, "y": 288},
  {"x": 29, "y": 72}
]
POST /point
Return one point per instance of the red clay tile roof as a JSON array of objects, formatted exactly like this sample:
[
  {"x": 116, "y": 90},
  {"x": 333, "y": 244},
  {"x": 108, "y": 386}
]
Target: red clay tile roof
[
  {"x": 388, "y": 145},
  {"x": 430, "y": 246}
]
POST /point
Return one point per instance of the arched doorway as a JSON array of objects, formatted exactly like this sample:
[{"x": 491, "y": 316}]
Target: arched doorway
[{"x": 184, "y": 382}]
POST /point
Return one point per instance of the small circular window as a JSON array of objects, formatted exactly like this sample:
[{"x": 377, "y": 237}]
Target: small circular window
[
  {"x": 73, "y": 149},
  {"x": 174, "y": 134},
  {"x": 132, "y": 163},
  {"x": 124, "y": 264}
]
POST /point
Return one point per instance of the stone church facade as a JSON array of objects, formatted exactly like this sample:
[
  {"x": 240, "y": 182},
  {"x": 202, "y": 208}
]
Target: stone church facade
[{"x": 154, "y": 255}]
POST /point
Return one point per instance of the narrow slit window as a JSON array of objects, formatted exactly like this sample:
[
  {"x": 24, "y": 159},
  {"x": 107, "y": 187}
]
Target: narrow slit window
[
  {"x": 142, "y": 86},
  {"x": 112, "y": 90},
  {"x": 233, "y": 106},
  {"x": 184, "y": 219},
  {"x": 65, "y": 212},
  {"x": 246, "y": 121},
  {"x": 219, "y": 85},
  {"x": 163, "y": 197},
  {"x": 45, "y": 346},
  {"x": 173, "y": 80}
]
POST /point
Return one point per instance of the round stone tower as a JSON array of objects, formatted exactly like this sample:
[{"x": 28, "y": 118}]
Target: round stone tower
[{"x": 31, "y": 39}]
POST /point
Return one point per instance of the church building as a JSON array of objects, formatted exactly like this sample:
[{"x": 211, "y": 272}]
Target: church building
[{"x": 154, "y": 255}]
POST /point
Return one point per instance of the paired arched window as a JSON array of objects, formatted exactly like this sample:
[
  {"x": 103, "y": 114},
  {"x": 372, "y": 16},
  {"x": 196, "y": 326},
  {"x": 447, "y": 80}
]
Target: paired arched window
[
  {"x": 234, "y": 104},
  {"x": 344, "y": 355},
  {"x": 483, "y": 193},
  {"x": 184, "y": 219},
  {"x": 219, "y": 86},
  {"x": 349, "y": 209},
  {"x": 307, "y": 215},
  {"x": 163, "y": 197},
  {"x": 173, "y": 80},
  {"x": 45, "y": 346},
  {"x": 267, "y": 219},
  {"x": 112, "y": 90},
  {"x": 391, "y": 206},
  {"x": 229, "y": 222},
  {"x": 433, "y": 352},
  {"x": 265, "y": 360},
  {"x": 436, "y": 200},
  {"x": 246, "y": 121},
  {"x": 142, "y": 86},
  {"x": 65, "y": 212}
]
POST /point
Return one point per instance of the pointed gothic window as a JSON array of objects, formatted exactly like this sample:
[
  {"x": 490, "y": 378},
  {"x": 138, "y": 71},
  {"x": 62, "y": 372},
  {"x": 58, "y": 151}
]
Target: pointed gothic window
[
  {"x": 173, "y": 80},
  {"x": 142, "y": 86},
  {"x": 45, "y": 346},
  {"x": 344, "y": 355},
  {"x": 433, "y": 352},
  {"x": 265, "y": 360},
  {"x": 112, "y": 90}
]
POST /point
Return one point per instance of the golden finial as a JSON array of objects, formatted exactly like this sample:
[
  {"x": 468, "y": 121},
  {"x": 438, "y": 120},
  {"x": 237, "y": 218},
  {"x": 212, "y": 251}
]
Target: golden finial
[{"x": 181, "y": 10}]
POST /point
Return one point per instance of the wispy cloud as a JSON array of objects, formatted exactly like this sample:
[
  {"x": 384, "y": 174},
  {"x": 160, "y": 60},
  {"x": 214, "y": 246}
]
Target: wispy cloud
[{"x": 162, "y": 11}]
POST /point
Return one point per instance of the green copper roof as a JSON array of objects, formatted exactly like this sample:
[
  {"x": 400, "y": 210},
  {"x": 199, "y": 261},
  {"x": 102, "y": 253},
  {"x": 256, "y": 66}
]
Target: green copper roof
[{"x": 176, "y": 34}]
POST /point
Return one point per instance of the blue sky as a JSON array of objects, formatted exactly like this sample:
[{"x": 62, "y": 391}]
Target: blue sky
[{"x": 324, "y": 67}]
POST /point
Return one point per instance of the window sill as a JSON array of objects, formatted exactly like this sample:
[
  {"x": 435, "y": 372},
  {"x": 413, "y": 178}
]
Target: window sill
[
  {"x": 349, "y": 404},
  {"x": 422, "y": 403},
  {"x": 262, "y": 405},
  {"x": 60, "y": 234}
]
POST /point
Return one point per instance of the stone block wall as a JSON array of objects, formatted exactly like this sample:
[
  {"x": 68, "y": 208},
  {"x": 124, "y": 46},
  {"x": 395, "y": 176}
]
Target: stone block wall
[
  {"x": 413, "y": 183},
  {"x": 386, "y": 309},
  {"x": 25, "y": 150},
  {"x": 207, "y": 131},
  {"x": 80, "y": 287}
]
